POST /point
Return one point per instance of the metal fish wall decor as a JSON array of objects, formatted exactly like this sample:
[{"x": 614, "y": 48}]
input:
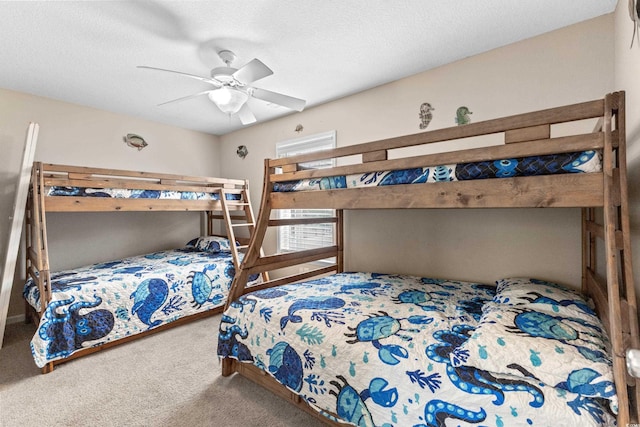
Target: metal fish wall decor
[{"x": 135, "y": 141}]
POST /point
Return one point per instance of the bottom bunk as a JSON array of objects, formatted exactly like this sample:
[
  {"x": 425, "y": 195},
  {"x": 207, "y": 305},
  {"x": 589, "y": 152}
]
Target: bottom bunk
[
  {"x": 377, "y": 349},
  {"x": 95, "y": 306}
]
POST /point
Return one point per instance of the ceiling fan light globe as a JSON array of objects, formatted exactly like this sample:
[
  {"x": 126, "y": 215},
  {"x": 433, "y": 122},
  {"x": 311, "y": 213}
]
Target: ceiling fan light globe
[{"x": 228, "y": 100}]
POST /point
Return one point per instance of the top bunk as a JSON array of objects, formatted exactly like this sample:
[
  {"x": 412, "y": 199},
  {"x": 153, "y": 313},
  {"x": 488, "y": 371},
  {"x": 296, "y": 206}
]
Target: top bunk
[
  {"x": 535, "y": 168},
  {"x": 64, "y": 188}
]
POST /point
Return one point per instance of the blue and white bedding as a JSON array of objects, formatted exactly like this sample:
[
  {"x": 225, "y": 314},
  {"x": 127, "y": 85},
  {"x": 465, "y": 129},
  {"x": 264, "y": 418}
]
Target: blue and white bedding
[
  {"x": 108, "y": 301},
  {"x": 388, "y": 350},
  {"x": 578, "y": 162},
  {"x": 127, "y": 193}
]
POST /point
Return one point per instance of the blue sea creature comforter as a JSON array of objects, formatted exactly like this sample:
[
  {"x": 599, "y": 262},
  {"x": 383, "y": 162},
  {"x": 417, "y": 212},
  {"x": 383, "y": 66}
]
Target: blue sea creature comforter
[
  {"x": 551, "y": 164},
  {"x": 377, "y": 350},
  {"x": 108, "y": 301},
  {"x": 127, "y": 193}
]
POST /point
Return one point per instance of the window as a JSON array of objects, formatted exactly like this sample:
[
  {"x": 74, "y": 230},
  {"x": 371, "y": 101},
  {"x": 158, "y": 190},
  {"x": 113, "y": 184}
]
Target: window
[{"x": 301, "y": 237}]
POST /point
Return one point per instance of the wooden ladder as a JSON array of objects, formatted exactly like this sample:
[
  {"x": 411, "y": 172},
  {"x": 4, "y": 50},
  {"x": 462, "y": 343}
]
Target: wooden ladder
[
  {"x": 616, "y": 292},
  {"x": 244, "y": 220}
]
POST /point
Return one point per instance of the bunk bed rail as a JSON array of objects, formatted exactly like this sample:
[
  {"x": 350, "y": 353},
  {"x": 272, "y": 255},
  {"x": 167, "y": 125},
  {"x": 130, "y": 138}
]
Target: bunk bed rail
[
  {"x": 522, "y": 135},
  {"x": 87, "y": 180},
  {"x": 517, "y": 128}
]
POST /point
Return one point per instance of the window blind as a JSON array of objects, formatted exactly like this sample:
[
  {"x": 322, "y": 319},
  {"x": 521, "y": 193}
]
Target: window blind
[{"x": 302, "y": 237}]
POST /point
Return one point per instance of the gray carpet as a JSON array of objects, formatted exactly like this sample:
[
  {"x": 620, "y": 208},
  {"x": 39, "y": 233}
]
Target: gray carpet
[{"x": 171, "y": 378}]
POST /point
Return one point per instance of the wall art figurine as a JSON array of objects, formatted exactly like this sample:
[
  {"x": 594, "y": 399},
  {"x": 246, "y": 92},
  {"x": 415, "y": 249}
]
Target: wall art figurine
[
  {"x": 135, "y": 141},
  {"x": 242, "y": 151},
  {"x": 634, "y": 14},
  {"x": 462, "y": 116},
  {"x": 425, "y": 115}
]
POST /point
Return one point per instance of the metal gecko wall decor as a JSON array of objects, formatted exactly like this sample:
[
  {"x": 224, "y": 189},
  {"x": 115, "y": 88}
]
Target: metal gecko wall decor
[{"x": 462, "y": 116}]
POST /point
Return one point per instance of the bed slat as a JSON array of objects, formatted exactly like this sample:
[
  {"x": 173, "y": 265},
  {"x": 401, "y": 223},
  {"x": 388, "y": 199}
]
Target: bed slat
[
  {"x": 374, "y": 156},
  {"x": 528, "y": 134},
  {"x": 274, "y": 262},
  {"x": 292, "y": 278},
  {"x": 98, "y": 204},
  {"x": 598, "y": 231},
  {"x": 130, "y": 185}
]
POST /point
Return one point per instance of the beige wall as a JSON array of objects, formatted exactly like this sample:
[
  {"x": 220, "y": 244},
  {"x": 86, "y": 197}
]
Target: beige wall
[
  {"x": 76, "y": 135},
  {"x": 569, "y": 65},
  {"x": 573, "y": 64},
  {"x": 627, "y": 78}
]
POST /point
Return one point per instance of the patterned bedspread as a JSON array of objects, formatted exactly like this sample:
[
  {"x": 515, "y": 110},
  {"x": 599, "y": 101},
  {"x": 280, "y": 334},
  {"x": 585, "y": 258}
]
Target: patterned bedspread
[
  {"x": 377, "y": 350},
  {"x": 104, "y": 302},
  {"x": 125, "y": 193},
  {"x": 579, "y": 162}
]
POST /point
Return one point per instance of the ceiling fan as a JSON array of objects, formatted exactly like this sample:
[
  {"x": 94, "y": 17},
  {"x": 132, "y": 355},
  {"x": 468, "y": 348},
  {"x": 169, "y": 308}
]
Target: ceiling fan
[{"x": 231, "y": 87}]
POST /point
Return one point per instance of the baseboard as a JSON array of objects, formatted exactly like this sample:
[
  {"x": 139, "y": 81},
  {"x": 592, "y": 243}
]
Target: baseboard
[{"x": 15, "y": 319}]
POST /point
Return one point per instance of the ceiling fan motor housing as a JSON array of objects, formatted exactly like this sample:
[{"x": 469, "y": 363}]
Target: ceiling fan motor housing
[{"x": 224, "y": 74}]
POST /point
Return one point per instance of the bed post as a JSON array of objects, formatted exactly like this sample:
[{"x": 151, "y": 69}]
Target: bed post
[
  {"x": 37, "y": 254},
  {"x": 256, "y": 240},
  {"x": 253, "y": 253},
  {"x": 340, "y": 240},
  {"x": 621, "y": 300},
  {"x": 588, "y": 248},
  {"x": 632, "y": 338},
  {"x": 611, "y": 261}
]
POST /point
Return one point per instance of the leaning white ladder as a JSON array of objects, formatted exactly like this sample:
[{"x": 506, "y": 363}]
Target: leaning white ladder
[{"x": 17, "y": 221}]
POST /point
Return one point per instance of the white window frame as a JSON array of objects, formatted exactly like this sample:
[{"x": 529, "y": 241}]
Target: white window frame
[{"x": 314, "y": 235}]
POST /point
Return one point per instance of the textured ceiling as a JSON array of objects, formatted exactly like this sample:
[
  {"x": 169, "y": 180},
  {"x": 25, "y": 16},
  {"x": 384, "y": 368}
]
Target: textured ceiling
[{"x": 320, "y": 50}]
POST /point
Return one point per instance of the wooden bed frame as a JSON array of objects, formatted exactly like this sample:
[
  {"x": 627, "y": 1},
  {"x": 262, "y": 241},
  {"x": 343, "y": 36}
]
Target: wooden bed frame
[
  {"x": 233, "y": 213},
  {"x": 610, "y": 284}
]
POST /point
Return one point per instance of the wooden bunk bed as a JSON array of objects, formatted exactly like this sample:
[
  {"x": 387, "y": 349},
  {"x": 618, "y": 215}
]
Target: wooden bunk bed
[
  {"x": 601, "y": 195},
  {"x": 62, "y": 188}
]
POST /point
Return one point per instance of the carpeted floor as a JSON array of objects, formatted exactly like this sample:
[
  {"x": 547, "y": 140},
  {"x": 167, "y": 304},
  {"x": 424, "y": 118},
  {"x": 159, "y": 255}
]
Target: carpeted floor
[{"x": 167, "y": 379}]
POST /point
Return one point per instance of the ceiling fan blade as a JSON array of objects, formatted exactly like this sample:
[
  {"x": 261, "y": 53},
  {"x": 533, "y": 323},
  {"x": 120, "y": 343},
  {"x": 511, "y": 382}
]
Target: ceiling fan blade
[
  {"x": 246, "y": 116},
  {"x": 278, "y": 98},
  {"x": 193, "y": 76},
  {"x": 184, "y": 98},
  {"x": 252, "y": 71}
]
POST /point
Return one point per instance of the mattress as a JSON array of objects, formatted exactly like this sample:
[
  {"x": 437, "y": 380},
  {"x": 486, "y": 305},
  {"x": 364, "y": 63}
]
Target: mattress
[
  {"x": 578, "y": 162},
  {"x": 385, "y": 350},
  {"x": 122, "y": 193},
  {"x": 105, "y": 302}
]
